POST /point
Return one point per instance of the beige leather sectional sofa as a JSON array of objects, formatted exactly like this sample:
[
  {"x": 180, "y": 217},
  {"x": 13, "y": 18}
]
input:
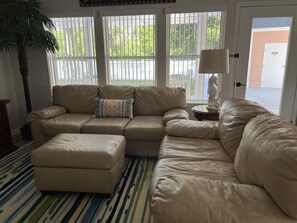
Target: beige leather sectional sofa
[
  {"x": 243, "y": 169},
  {"x": 74, "y": 106}
]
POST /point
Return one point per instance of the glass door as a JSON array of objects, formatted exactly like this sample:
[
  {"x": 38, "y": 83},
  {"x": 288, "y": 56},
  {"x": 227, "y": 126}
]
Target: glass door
[{"x": 266, "y": 71}]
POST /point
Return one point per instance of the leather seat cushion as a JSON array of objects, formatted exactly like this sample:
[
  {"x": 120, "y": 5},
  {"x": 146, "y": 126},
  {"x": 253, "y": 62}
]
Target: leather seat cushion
[
  {"x": 80, "y": 151},
  {"x": 211, "y": 201},
  {"x": 205, "y": 169},
  {"x": 193, "y": 149},
  {"x": 66, "y": 123},
  {"x": 145, "y": 128},
  {"x": 114, "y": 126}
]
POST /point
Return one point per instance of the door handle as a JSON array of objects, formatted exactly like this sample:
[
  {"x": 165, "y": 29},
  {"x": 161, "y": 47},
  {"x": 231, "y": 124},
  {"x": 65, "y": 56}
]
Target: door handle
[{"x": 238, "y": 84}]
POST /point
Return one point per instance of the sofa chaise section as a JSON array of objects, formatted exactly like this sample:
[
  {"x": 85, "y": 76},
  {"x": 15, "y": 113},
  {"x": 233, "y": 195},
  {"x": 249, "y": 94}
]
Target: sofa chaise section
[{"x": 196, "y": 179}]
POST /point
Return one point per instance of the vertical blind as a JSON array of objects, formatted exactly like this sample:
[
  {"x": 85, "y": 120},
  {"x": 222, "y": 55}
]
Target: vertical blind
[
  {"x": 75, "y": 61},
  {"x": 189, "y": 34},
  {"x": 130, "y": 49}
]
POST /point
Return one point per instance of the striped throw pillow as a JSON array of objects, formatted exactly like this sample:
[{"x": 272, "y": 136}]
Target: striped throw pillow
[{"x": 114, "y": 108}]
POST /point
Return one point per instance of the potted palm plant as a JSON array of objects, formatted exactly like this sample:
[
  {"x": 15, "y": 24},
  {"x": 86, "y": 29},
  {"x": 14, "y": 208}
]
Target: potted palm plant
[{"x": 23, "y": 26}]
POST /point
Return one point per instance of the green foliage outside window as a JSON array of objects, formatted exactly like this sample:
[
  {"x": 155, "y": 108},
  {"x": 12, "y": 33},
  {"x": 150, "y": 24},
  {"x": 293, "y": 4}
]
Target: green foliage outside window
[
  {"x": 141, "y": 40},
  {"x": 137, "y": 42},
  {"x": 213, "y": 32},
  {"x": 69, "y": 41}
]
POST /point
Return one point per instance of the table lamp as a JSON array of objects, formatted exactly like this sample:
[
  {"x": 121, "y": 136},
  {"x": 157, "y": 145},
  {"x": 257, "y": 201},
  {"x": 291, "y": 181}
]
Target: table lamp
[{"x": 214, "y": 62}]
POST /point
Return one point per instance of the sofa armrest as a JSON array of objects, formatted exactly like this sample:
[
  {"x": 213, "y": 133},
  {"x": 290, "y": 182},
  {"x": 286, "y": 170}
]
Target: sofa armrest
[
  {"x": 193, "y": 129},
  {"x": 46, "y": 113},
  {"x": 176, "y": 113}
]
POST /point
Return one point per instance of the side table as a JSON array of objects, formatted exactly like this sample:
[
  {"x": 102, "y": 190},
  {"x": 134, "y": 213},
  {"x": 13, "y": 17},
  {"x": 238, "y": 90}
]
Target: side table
[
  {"x": 6, "y": 145},
  {"x": 202, "y": 113}
]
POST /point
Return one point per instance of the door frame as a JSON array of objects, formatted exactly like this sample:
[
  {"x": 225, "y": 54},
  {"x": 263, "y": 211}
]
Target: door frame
[{"x": 292, "y": 86}]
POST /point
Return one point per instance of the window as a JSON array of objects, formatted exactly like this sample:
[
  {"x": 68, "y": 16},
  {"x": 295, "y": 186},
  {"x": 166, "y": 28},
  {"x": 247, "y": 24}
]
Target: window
[
  {"x": 130, "y": 49},
  {"x": 75, "y": 61},
  {"x": 189, "y": 34}
]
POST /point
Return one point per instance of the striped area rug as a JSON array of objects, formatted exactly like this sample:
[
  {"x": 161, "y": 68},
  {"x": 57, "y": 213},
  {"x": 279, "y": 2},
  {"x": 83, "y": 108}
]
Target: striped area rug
[{"x": 20, "y": 201}]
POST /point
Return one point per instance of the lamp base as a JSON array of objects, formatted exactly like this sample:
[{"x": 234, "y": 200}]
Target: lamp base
[{"x": 213, "y": 104}]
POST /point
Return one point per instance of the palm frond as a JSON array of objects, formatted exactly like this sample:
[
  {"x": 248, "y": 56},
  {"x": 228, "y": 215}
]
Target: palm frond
[
  {"x": 22, "y": 22},
  {"x": 46, "y": 40}
]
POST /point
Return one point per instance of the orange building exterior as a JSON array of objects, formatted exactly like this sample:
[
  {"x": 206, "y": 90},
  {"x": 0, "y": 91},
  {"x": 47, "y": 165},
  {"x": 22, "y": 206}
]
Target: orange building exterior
[{"x": 259, "y": 39}]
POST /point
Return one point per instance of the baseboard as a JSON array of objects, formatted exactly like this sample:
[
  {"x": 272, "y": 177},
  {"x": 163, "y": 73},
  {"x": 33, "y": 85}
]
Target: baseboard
[{"x": 16, "y": 134}]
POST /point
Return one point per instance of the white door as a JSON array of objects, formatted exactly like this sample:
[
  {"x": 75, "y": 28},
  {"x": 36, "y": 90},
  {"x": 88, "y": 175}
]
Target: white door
[
  {"x": 257, "y": 26},
  {"x": 274, "y": 63}
]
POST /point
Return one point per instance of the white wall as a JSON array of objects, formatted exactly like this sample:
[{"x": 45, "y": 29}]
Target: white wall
[
  {"x": 40, "y": 90},
  {"x": 11, "y": 86},
  {"x": 8, "y": 91}
]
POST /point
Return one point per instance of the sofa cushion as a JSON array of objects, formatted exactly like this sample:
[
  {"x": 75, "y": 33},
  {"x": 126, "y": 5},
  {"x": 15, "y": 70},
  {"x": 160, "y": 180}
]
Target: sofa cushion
[
  {"x": 193, "y": 149},
  {"x": 204, "y": 169},
  {"x": 76, "y": 98},
  {"x": 46, "y": 113},
  {"x": 158, "y": 100},
  {"x": 114, "y": 126},
  {"x": 122, "y": 108},
  {"x": 66, "y": 123},
  {"x": 145, "y": 128},
  {"x": 234, "y": 115},
  {"x": 116, "y": 92},
  {"x": 267, "y": 156},
  {"x": 80, "y": 151},
  {"x": 192, "y": 129},
  {"x": 211, "y": 201},
  {"x": 176, "y": 113}
]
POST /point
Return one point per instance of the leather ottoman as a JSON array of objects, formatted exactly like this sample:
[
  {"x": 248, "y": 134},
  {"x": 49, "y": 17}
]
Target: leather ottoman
[{"x": 79, "y": 163}]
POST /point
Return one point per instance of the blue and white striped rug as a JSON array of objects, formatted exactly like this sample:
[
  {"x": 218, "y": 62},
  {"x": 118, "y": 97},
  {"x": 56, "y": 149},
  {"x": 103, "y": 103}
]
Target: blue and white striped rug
[{"x": 20, "y": 201}]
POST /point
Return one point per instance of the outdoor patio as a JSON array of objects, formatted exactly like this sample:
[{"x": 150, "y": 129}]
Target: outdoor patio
[{"x": 267, "y": 97}]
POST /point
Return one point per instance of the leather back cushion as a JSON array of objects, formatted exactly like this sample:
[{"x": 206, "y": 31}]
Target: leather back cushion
[
  {"x": 76, "y": 98},
  {"x": 234, "y": 115},
  {"x": 267, "y": 157},
  {"x": 116, "y": 92},
  {"x": 158, "y": 100}
]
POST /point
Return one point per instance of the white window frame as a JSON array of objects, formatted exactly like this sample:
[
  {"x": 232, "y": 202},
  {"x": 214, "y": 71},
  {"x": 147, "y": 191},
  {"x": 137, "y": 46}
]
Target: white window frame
[
  {"x": 101, "y": 26},
  {"x": 174, "y": 10},
  {"x": 50, "y": 65}
]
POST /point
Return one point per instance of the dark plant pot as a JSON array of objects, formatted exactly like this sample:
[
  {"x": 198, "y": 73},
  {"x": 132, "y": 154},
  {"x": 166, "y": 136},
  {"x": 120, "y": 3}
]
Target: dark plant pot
[{"x": 26, "y": 132}]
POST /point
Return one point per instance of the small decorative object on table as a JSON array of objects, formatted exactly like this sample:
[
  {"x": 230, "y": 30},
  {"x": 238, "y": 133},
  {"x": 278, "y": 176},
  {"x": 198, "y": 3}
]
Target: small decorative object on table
[
  {"x": 214, "y": 62},
  {"x": 202, "y": 112},
  {"x": 213, "y": 101}
]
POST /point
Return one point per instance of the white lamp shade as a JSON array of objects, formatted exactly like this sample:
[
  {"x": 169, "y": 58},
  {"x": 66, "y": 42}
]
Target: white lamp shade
[{"x": 214, "y": 61}]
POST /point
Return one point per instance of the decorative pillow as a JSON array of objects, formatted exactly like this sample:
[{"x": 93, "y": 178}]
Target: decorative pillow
[{"x": 114, "y": 108}]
